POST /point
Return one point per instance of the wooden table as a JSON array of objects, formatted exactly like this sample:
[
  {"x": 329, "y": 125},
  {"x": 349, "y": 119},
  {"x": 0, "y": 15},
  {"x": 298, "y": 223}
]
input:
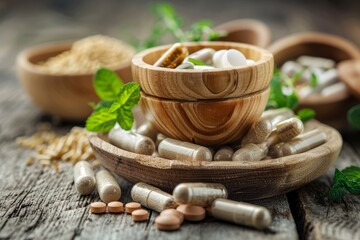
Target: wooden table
[{"x": 37, "y": 203}]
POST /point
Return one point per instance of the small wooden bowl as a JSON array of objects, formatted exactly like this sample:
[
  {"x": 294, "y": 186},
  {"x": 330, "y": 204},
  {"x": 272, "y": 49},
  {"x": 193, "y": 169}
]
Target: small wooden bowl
[
  {"x": 248, "y": 31},
  {"x": 63, "y": 95},
  {"x": 244, "y": 180},
  {"x": 331, "y": 110},
  {"x": 207, "y": 122},
  {"x": 193, "y": 84}
]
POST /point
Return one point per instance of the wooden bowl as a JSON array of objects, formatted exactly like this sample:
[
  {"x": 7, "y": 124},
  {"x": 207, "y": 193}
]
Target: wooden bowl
[
  {"x": 248, "y": 31},
  {"x": 206, "y": 122},
  {"x": 244, "y": 180},
  {"x": 331, "y": 110},
  {"x": 63, "y": 95},
  {"x": 193, "y": 84}
]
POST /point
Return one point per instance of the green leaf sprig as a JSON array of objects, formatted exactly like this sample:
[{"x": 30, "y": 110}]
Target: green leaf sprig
[
  {"x": 345, "y": 181},
  {"x": 117, "y": 102},
  {"x": 197, "y": 62}
]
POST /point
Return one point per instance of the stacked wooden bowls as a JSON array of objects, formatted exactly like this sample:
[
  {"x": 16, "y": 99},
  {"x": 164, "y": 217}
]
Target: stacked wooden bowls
[{"x": 207, "y": 107}]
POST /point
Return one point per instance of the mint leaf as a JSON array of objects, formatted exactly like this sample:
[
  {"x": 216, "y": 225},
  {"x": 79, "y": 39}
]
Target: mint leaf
[
  {"x": 125, "y": 118},
  {"x": 101, "y": 121},
  {"x": 313, "y": 80},
  {"x": 352, "y": 173},
  {"x": 306, "y": 114},
  {"x": 196, "y": 62},
  {"x": 345, "y": 181},
  {"x": 129, "y": 95},
  {"x": 353, "y": 116},
  {"x": 107, "y": 84},
  {"x": 101, "y": 105}
]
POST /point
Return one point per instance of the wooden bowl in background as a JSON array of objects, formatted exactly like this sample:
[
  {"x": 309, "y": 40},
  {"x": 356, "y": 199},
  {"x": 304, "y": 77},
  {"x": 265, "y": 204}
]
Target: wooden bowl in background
[
  {"x": 193, "y": 84},
  {"x": 248, "y": 31},
  {"x": 331, "y": 110},
  {"x": 207, "y": 122},
  {"x": 63, "y": 95},
  {"x": 244, "y": 180}
]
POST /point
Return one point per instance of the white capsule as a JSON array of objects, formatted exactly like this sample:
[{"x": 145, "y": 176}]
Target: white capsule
[
  {"x": 217, "y": 58},
  {"x": 289, "y": 68},
  {"x": 233, "y": 58},
  {"x": 335, "y": 89},
  {"x": 185, "y": 65},
  {"x": 305, "y": 91},
  {"x": 148, "y": 130},
  {"x": 307, "y": 74},
  {"x": 205, "y": 55},
  {"x": 309, "y": 61},
  {"x": 84, "y": 178},
  {"x": 198, "y": 67},
  {"x": 249, "y": 62},
  {"x": 107, "y": 186},
  {"x": 131, "y": 141},
  {"x": 327, "y": 78}
]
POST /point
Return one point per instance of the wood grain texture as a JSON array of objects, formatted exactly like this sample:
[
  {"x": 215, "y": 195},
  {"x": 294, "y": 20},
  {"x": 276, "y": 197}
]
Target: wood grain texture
[
  {"x": 62, "y": 95},
  {"x": 190, "y": 84},
  {"x": 349, "y": 73},
  {"x": 244, "y": 180},
  {"x": 320, "y": 45},
  {"x": 37, "y": 203},
  {"x": 248, "y": 31},
  {"x": 211, "y": 122}
]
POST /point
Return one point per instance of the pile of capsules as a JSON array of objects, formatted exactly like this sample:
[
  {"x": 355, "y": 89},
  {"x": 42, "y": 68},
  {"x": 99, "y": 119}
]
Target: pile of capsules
[
  {"x": 278, "y": 133},
  {"x": 189, "y": 201},
  {"x": 324, "y": 71},
  {"x": 178, "y": 57}
]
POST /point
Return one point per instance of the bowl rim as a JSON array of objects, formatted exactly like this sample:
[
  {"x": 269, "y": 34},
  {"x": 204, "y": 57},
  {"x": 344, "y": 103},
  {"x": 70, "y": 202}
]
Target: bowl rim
[
  {"x": 22, "y": 59},
  {"x": 138, "y": 59}
]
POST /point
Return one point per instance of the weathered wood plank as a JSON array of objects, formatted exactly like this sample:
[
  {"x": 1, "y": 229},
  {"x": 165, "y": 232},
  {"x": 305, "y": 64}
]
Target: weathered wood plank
[{"x": 319, "y": 219}]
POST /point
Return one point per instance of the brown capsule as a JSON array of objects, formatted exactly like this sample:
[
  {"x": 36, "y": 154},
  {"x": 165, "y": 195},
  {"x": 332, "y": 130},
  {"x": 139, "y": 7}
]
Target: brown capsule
[
  {"x": 140, "y": 215},
  {"x": 241, "y": 213},
  {"x": 200, "y": 194},
  {"x": 173, "y": 57},
  {"x": 288, "y": 129},
  {"x": 167, "y": 223},
  {"x": 251, "y": 152},
  {"x": 132, "y": 206},
  {"x": 97, "y": 207},
  {"x": 192, "y": 213},
  {"x": 224, "y": 154},
  {"x": 258, "y": 133},
  {"x": 148, "y": 130},
  {"x": 304, "y": 142},
  {"x": 173, "y": 212},
  {"x": 152, "y": 197}
]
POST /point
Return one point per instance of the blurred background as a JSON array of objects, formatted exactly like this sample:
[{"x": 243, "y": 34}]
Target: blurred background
[{"x": 24, "y": 23}]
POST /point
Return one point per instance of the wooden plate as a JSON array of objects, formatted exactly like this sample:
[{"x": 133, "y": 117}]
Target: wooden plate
[{"x": 245, "y": 181}]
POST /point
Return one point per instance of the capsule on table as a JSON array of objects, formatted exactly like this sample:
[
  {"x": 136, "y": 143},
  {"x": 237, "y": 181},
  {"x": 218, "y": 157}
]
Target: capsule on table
[
  {"x": 204, "y": 55},
  {"x": 224, "y": 154},
  {"x": 251, "y": 152},
  {"x": 131, "y": 141},
  {"x": 241, "y": 213},
  {"x": 175, "y": 149},
  {"x": 107, "y": 186},
  {"x": 258, "y": 133},
  {"x": 148, "y": 130},
  {"x": 304, "y": 142},
  {"x": 199, "y": 194},
  {"x": 84, "y": 178},
  {"x": 173, "y": 57},
  {"x": 152, "y": 197},
  {"x": 310, "y": 61}
]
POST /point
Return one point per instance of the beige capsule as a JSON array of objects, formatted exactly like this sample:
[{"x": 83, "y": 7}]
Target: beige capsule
[
  {"x": 224, "y": 154},
  {"x": 275, "y": 151},
  {"x": 107, "y": 186},
  {"x": 199, "y": 194},
  {"x": 289, "y": 68},
  {"x": 175, "y": 149},
  {"x": 152, "y": 197},
  {"x": 131, "y": 141},
  {"x": 84, "y": 178},
  {"x": 173, "y": 57},
  {"x": 241, "y": 213},
  {"x": 148, "y": 130},
  {"x": 258, "y": 133},
  {"x": 286, "y": 130},
  {"x": 251, "y": 152},
  {"x": 272, "y": 113},
  {"x": 304, "y": 142},
  {"x": 310, "y": 61}
]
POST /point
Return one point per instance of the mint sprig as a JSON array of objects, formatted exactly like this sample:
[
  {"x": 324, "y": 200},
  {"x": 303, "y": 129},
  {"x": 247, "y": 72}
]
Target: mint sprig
[
  {"x": 117, "y": 102},
  {"x": 197, "y": 62},
  {"x": 345, "y": 182}
]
